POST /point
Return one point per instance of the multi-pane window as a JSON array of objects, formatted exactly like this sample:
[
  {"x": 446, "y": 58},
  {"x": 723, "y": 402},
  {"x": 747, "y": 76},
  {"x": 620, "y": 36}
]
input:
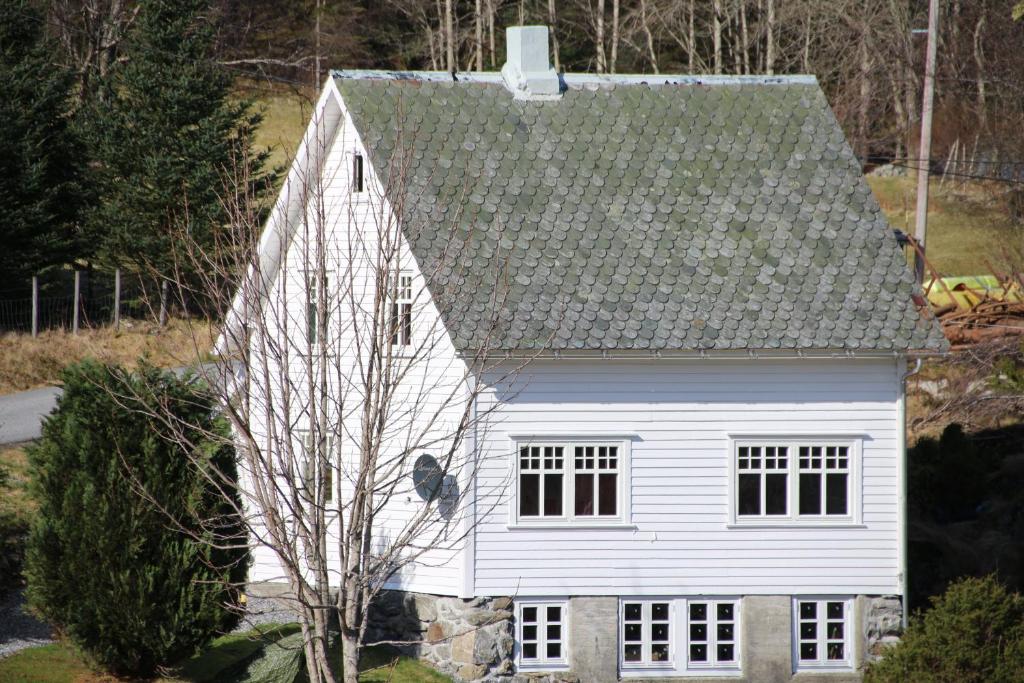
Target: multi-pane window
[
  {"x": 762, "y": 480},
  {"x": 542, "y": 635},
  {"x": 798, "y": 480},
  {"x": 315, "y": 288},
  {"x": 541, "y": 481},
  {"x": 358, "y": 184},
  {"x": 568, "y": 481},
  {"x": 596, "y": 480},
  {"x": 646, "y": 638},
  {"x": 712, "y": 633},
  {"x": 401, "y": 311},
  {"x": 822, "y": 628},
  {"x": 317, "y": 465},
  {"x": 824, "y": 480}
]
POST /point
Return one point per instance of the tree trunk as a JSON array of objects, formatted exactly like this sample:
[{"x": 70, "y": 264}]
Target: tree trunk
[
  {"x": 479, "y": 35},
  {"x": 979, "y": 64},
  {"x": 490, "y": 32},
  {"x": 716, "y": 35},
  {"x": 645, "y": 25},
  {"x": 449, "y": 37},
  {"x": 615, "y": 36},
  {"x": 553, "y": 23},
  {"x": 769, "y": 50},
  {"x": 865, "y": 92},
  {"x": 350, "y": 655},
  {"x": 602, "y": 62},
  {"x": 744, "y": 37},
  {"x": 691, "y": 37}
]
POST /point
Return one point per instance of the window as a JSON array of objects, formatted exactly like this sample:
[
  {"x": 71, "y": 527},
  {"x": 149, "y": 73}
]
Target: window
[
  {"x": 313, "y": 297},
  {"x": 713, "y": 633},
  {"x": 357, "y": 172},
  {"x": 401, "y": 311},
  {"x": 313, "y": 460},
  {"x": 542, "y": 635},
  {"x": 646, "y": 639},
  {"x": 822, "y": 627},
  {"x": 570, "y": 482},
  {"x": 794, "y": 480}
]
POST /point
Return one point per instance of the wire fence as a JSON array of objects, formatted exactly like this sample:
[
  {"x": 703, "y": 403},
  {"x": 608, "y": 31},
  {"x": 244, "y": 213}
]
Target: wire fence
[{"x": 47, "y": 302}]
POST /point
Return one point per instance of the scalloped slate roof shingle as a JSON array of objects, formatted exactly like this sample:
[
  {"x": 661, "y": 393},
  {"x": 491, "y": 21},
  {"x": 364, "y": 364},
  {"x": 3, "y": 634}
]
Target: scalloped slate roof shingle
[{"x": 640, "y": 216}]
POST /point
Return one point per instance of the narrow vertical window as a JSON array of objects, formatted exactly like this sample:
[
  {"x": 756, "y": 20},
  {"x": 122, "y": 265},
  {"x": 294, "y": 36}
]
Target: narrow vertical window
[
  {"x": 596, "y": 481},
  {"x": 822, "y": 627},
  {"x": 646, "y": 629},
  {"x": 762, "y": 481},
  {"x": 712, "y": 634},
  {"x": 357, "y": 172},
  {"x": 313, "y": 298},
  {"x": 401, "y": 311},
  {"x": 542, "y": 635},
  {"x": 541, "y": 481}
]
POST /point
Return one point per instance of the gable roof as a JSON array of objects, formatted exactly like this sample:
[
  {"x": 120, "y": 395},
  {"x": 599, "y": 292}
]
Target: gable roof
[{"x": 660, "y": 213}]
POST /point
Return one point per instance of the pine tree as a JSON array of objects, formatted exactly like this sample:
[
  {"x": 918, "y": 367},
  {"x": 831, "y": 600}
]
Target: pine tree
[
  {"x": 167, "y": 134},
  {"x": 42, "y": 176},
  {"x": 136, "y": 549}
]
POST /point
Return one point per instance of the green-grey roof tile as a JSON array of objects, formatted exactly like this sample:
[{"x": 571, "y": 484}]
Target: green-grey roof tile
[{"x": 669, "y": 216}]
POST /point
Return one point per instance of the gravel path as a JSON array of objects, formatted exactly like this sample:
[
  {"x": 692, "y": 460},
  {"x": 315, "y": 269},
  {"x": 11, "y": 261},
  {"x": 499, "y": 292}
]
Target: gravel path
[{"x": 18, "y": 629}]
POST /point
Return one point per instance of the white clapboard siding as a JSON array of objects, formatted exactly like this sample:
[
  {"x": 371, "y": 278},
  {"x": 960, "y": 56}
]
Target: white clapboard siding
[
  {"x": 344, "y": 216},
  {"x": 681, "y": 413}
]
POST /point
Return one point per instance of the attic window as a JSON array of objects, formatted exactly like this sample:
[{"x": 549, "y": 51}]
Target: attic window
[{"x": 357, "y": 172}]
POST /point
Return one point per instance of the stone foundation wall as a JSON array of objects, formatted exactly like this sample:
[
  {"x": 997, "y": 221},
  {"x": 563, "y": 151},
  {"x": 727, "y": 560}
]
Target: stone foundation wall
[{"x": 882, "y": 624}]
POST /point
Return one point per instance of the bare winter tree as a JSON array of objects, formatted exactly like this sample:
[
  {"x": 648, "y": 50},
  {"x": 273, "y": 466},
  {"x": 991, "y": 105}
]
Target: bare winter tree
[{"x": 338, "y": 377}]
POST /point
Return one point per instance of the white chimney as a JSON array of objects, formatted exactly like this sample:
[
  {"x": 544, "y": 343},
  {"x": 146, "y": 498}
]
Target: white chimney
[{"x": 527, "y": 71}]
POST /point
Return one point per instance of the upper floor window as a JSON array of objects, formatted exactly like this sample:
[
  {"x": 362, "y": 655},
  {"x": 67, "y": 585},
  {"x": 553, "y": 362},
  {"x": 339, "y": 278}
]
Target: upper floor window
[
  {"x": 796, "y": 480},
  {"x": 316, "y": 288},
  {"x": 822, "y": 638},
  {"x": 570, "y": 482},
  {"x": 401, "y": 310},
  {"x": 358, "y": 182}
]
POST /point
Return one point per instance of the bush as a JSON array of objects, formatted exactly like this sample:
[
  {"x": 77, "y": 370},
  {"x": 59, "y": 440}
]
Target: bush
[
  {"x": 132, "y": 579},
  {"x": 974, "y": 632},
  {"x": 12, "y": 550}
]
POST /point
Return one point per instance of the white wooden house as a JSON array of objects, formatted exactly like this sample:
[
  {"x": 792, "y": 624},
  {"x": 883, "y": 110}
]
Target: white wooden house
[{"x": 700, "y": 470}]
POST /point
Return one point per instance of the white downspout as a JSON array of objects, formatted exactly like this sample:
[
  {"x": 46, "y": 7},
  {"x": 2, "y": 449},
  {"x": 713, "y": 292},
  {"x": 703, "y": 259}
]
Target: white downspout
[{"x": 904, "y": 548}]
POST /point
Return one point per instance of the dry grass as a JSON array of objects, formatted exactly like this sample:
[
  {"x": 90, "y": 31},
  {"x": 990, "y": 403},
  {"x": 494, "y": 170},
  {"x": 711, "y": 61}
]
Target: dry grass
[
  {"x": 27, "y": 363},
  {"x": 969, "y": 226}
]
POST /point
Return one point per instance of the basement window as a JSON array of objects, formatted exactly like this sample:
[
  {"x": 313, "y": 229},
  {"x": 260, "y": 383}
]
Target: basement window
[
  {"x": 712, "y": 634},
  {"x": 646, "y": 639},
  {"x": 822, "y": 638},
  {"x": 541, "y": 635},
  {"x": 358, "y": 184}
]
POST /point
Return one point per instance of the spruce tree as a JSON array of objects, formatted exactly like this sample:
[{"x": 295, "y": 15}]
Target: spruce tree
[
  {"x": 137, "y": 548},
  {"x": 167, "y": 135},
  {"x": 42, "y": 176}
]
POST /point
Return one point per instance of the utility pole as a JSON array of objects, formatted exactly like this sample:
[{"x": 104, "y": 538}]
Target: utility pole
[{"x": 925, "y": 148}]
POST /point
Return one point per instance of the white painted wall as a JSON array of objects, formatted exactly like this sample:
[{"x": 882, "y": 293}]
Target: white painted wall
[
  {"x": 681, "y": 413},
  {"x": 351, "y": 225}
]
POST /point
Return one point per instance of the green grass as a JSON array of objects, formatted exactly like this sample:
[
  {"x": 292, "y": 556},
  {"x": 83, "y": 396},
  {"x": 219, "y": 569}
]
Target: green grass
[
  {"x": 286, "y": 113},
  {"x": 59, "y": 663},
  {"x": 968, "y": 225}
]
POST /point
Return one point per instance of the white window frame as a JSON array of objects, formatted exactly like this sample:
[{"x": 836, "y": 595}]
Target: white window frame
[
  {"x": 400, "y": 293},
  {"x": 792, "y": 518},
  {"x": 542, "y": 662},
  {"x": 305, "y": 443},
  {"x": 849, "y": 628},
  {"x": 310, "y": 299},
  {"x": 712, "y": 666},
  {"x": 354, "y": 157},
  {"x": 647, "y": 667},
  {"x": 568, "y": 518}
]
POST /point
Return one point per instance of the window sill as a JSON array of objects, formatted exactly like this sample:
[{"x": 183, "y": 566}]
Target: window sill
[
  {"x": 796, "y": 524},
  {"x": 542, "y": 668},
  {"x": 528, "y": 526},
  {"x": 808, "y": 671}
]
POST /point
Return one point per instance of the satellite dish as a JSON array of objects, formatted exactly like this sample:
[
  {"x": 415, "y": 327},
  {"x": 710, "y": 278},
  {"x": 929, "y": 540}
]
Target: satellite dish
[{"x": 427, "y": 477}]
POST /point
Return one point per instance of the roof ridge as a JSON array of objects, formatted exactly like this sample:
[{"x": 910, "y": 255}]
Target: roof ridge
[{"x": 576, "y": 79}]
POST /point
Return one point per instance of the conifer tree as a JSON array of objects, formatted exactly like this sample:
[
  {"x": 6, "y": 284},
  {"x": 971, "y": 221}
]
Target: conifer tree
[
  {"x": 166, "y": 135},
  {"x": 42, "y": 176}
]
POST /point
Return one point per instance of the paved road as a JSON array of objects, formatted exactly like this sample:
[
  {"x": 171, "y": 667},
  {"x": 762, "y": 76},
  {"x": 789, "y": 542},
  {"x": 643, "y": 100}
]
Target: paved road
[{"x": 21, "y": 414}]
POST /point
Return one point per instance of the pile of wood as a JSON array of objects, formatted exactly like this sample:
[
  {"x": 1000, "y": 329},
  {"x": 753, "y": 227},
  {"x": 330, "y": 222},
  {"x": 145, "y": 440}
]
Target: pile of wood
[{"x": 988, "y": 319}]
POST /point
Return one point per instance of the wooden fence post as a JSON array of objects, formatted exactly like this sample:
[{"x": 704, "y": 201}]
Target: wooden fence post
[
  {"x": 117, "y": 299},
  {"x": 78, "y": 289},
  {"x": 35, "y": 306},
  {"x": 163, "y": 302}
]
